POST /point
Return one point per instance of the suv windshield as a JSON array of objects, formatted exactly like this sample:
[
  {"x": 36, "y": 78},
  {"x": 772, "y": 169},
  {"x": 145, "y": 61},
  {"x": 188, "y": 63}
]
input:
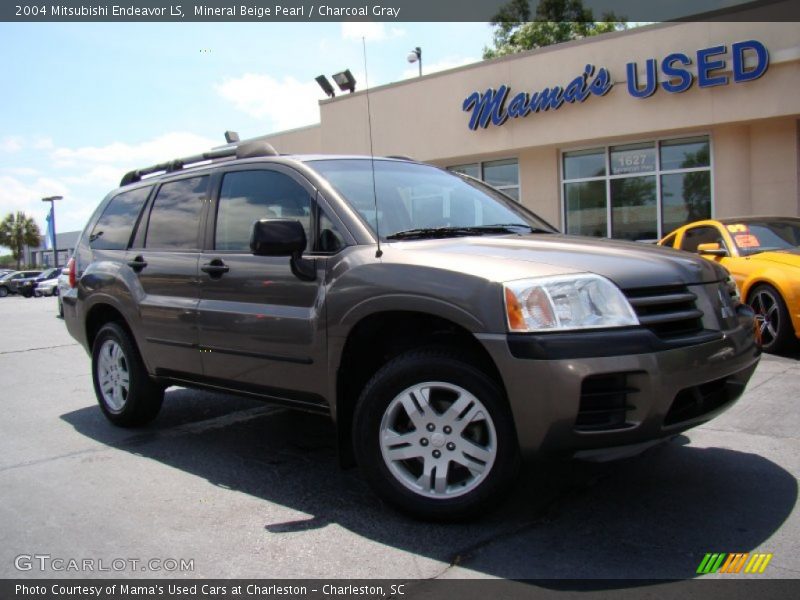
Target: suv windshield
[
  {"x": 752, "y": 237},
  {"x": 416, "y": 200}
]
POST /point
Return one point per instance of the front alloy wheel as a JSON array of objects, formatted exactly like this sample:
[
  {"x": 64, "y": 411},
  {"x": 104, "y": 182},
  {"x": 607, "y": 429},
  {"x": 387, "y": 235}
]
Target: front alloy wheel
[
  {"x": 434, "y": 436},
  {"x": 772, "y": 318},
  {"x": 438, "y": 440}
]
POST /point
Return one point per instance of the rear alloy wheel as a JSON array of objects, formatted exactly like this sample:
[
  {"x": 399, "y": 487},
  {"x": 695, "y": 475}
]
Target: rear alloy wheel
[
  {"x": 772, "y": 318},
  {"x": 434, "y": 436},
  {"x": 124, "y": 390}
]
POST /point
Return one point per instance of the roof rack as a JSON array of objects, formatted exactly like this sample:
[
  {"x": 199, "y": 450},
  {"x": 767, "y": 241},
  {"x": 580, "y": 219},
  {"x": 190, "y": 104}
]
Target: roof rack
[
  {"x": 243, "y": 150},
  {"x": 401, "y": 157}
]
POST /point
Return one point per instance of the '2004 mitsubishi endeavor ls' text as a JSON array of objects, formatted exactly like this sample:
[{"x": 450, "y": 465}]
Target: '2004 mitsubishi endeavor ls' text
[{"x": 447, "y": 330}]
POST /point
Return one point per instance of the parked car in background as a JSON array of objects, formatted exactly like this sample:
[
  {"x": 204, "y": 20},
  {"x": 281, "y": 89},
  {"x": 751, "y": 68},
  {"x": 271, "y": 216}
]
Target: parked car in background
[
  {"x": 4, "y": 272},
  {"x": 63, "y": 286},
  {"x": 27, "y": 287},
  {"x": 11, "y": 283},
  {"x": 763, "y": 255},
  {"x": 48, "y": 287}
]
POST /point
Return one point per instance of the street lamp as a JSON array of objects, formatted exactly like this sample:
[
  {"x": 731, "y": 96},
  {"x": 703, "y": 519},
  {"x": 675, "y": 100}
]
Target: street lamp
[
  {"x": 415, "y": 56},
  {"x": 51, "y": 200}
]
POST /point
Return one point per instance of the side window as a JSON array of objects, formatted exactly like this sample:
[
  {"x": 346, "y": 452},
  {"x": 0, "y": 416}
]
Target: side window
[
  {"x": 114, "y": 227},
  {"x": 248, "y": 196},
  {"x": 175, "y": 216},
  {"x": 330, "y": 240},
  {"x": 692, "y": 238}
]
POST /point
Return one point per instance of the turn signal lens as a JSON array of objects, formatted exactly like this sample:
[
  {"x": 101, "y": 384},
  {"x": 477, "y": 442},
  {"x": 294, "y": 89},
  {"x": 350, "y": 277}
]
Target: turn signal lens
[{"x": 516, "y": 321}]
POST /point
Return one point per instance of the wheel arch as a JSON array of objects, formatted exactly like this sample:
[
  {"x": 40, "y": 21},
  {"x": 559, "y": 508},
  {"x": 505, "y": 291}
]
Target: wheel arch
[
  {"x": 377, "y": 338},
  {"x": 102, "y": 312}
]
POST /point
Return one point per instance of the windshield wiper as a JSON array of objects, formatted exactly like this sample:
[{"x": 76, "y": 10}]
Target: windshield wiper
[{"x": 443, "y": 232}]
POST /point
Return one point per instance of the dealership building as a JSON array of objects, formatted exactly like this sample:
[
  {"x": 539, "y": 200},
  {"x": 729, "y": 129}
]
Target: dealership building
[{"x": 624, "y": 135}]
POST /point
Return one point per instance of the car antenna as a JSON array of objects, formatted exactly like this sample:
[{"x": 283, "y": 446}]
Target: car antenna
[{"x": 379, "y": 252}]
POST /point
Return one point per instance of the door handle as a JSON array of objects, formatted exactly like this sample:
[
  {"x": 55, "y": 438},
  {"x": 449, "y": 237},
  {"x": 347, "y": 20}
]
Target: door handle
[
  {"x": 137, "y": 264},
  {"x": 215, "y": 268}
]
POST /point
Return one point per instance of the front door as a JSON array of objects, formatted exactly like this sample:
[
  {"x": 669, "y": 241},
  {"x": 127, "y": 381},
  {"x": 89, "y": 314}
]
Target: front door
[{"x": 261, "y": 328}]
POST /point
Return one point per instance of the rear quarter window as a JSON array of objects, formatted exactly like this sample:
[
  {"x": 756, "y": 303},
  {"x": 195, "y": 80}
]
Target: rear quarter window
[{"x": 114, "y": 227}]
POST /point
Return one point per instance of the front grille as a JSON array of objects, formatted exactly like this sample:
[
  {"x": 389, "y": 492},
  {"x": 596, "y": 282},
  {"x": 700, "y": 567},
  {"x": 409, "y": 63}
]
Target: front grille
[
  {"x": 604, "y": 403},
  {"x": 667, "y": 311},
  {"x": 698, "y": 400}
]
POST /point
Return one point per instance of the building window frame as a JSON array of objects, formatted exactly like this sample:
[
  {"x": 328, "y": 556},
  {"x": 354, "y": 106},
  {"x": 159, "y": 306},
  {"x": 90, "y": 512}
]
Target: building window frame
[
  {"x": 658, "y": 172},
  {"x": 481, "y": 165}
]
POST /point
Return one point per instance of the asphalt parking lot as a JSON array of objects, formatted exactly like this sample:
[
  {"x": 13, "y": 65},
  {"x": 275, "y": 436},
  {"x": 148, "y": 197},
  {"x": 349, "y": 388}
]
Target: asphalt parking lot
[{"x": 246, "y": 490}]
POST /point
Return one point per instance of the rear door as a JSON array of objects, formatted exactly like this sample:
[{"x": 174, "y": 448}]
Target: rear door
[
  {"x": 164, "y": 258},
  {"x": 261, "y": 328}
]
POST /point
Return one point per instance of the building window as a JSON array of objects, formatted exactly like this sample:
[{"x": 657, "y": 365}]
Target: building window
[
  {"x": 638, "y": 191},
  {"x": 500, "y": 174}
]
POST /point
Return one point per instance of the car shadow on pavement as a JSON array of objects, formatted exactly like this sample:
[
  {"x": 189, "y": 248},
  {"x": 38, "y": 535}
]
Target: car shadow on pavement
[{"x": 651, "y": 517}]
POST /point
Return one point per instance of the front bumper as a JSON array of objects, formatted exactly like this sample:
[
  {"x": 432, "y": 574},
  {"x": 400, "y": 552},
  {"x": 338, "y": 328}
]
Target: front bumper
[{"x": 599, "y": 390}]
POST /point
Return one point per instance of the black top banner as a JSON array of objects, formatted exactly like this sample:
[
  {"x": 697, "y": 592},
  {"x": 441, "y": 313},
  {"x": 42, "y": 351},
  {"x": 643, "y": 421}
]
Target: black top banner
[{"x": 378, "y": 10}]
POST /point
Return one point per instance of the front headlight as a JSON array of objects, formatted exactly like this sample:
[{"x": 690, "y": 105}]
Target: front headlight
[{"x": 564, "y": 302}]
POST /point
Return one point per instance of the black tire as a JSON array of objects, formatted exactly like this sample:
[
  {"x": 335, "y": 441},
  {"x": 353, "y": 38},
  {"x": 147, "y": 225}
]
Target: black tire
[
  {"x": 60, "y": 307},
  {"x": 441, "y": 374},
  {"x": 775, "y": 323},
  {"x": 142, "y": 400},
  {"x": 3, "y": 291}
]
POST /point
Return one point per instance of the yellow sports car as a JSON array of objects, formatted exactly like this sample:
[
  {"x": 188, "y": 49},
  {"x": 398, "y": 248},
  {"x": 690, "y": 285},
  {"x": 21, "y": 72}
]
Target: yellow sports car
[{"x": 763, "y": 255}]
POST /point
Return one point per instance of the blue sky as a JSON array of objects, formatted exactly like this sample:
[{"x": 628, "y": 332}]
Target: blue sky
[{"x": 83, "y": 103}]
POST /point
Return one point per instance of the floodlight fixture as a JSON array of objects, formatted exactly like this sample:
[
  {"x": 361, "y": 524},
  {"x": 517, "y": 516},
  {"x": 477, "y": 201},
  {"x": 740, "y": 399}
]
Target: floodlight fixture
[
  {"x": 325, "y": 85},
  {"x": 345, "y": 81}
]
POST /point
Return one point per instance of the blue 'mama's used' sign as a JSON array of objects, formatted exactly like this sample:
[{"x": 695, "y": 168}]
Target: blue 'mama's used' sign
[{"x": 490, "y": 106}]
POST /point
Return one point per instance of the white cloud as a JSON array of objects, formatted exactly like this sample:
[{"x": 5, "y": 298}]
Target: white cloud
[
  {"x": 371, "y": 32},
  {"x": 102, "y": 176},
  {"x": 20, "y": 171},
  {"x": 449, "y": 62},
  {"x": 287, "y": 103},
  {"x": 84, "y": 174},
  {"x": 43, "y": 143},
  {"x": 10, "y": 143},
  {"x": 130, "y": 156},
  {"x": 16, "y": 194}
]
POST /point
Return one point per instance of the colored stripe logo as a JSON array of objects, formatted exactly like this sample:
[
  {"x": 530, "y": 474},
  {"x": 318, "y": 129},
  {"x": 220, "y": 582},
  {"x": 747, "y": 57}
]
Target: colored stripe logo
[{"x": 733, "y": 563}]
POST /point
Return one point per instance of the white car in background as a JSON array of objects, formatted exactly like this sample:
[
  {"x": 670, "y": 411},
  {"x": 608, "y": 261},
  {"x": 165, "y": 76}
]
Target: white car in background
[
  {"x": 48, "y": 287},
  {"x": 62, "y": 287}
]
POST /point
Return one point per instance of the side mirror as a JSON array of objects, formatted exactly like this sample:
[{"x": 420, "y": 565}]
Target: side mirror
[
  {"x": 713, "y": 249},
  {"x": 283, "y": 237},
  {"x": 277, "y": 237}
]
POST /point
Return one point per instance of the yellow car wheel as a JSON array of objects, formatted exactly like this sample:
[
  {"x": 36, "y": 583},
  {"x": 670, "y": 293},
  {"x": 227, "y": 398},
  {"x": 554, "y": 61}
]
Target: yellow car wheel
[{"x": 772, "y": 317}]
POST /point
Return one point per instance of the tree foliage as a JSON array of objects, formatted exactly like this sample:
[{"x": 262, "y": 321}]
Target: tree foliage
[
  {"x": 555, "y": 21},
  {"x": 17, "y": 231}
]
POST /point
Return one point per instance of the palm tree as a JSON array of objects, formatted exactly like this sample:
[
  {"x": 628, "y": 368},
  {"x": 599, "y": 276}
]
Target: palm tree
[{"x": 18, "y": 231}]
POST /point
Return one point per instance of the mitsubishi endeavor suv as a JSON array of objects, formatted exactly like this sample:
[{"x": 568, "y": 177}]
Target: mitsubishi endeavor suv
[{"x": 448, "y": 331}]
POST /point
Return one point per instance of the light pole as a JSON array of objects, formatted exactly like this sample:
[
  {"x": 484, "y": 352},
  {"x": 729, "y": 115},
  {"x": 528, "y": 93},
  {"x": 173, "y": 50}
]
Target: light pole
[
  {"x": 415, "y": 56},
  {"x": 51, "y": 200}
]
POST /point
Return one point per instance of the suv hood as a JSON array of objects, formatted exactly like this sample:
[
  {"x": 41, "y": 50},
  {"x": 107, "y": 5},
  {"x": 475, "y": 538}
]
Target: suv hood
[{"x": 500, "y": 258}]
